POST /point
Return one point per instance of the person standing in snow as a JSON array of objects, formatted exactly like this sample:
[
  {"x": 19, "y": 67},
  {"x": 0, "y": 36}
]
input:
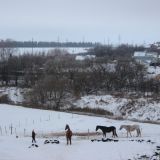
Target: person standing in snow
[{"x": 33, "y": 136}]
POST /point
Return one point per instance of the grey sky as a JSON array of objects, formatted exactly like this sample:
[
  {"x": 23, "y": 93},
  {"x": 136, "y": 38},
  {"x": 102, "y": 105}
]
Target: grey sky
[{"x": 136, "y": 21}]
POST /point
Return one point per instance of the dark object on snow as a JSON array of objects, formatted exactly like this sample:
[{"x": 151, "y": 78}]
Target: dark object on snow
[
  {"x": 144, "y": 156},
  {"x": 156, "y": 154},
  {"x": 158, "y": 148},
  {"x": 104, "y": 140},
  {"x": 46, "y": 142},
  {"x": 107, "y": 140},
  {"x": 56, "y": 141},
  {"x": 140, "y": 140},
  {"x": 107, "y": 129},
  {"x": 51, "y": 141},
  {"x": 33, "y": 145}
]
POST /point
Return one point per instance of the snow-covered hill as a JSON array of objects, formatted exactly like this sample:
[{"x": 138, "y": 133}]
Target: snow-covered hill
[
  {"x": 140, "y": 108},
  {"x": 129, "y": 108}
]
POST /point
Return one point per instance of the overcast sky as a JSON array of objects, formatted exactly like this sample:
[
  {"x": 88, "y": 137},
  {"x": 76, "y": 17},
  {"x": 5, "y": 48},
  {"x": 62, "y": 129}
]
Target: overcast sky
[{"x": 132, "y": 21}]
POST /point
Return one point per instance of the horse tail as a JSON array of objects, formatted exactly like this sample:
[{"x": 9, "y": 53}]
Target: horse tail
[{"x": 116, "y": 133}]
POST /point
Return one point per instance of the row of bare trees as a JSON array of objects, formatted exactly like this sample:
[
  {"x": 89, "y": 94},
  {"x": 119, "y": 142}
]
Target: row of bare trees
[{"x": 57, "y": 77}]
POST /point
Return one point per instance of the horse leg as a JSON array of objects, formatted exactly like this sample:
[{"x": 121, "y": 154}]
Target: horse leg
[
  {"x": 113, "y": 135},
  {"x": 138, "y": 133},
  {"x": 130, "y": 133},
  {"x": 70, "y": 140},
  {"x": 116, "y": 133},
  {"x": 67, "y": 140},
  {"x": 104, "y": 134}
]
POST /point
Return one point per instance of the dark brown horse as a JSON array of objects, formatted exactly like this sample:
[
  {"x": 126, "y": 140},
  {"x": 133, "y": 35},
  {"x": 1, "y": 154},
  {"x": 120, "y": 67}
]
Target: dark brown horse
[
  {"x": 68, "y": 134},
  {"x": 107, "y": 129}
]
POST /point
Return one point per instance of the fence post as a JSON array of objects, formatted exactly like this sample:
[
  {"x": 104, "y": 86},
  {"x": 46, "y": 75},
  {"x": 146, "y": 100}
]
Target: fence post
[{"x": 11, "y": 128}]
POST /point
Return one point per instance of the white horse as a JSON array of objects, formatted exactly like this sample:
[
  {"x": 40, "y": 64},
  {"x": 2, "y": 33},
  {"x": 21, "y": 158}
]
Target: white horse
[{"x": 130, "y": 128}]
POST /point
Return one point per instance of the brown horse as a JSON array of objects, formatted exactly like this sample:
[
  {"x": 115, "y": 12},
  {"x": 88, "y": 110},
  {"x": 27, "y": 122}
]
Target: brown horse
[{"x": 68, "y": 134}]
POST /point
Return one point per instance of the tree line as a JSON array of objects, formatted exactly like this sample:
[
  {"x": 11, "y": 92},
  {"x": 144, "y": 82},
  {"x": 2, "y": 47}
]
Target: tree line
[
  {"x": 56, "y": 78},
  {"x": 40, "y": 44}
]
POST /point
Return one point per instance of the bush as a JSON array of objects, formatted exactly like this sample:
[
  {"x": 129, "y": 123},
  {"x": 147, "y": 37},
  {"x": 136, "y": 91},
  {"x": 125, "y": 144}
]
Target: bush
[{"x": 4, "y": 99}]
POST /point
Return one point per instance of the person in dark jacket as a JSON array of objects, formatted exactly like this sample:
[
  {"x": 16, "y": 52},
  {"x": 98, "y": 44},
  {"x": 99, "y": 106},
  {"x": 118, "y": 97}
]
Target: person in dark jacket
[{"x": 33, "y": 136}]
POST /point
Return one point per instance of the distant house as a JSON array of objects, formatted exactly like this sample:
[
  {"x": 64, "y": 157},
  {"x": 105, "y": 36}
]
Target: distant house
[
  {"x": 145, "y": 57},
  {"x": 81, "y": 58}
]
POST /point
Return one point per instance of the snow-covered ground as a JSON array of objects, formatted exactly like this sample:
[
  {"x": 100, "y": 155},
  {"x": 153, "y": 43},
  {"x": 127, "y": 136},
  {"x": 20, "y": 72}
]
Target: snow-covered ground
[
  {"x": 141, "y": 109},
  {"x": 154, "y": 71},
  {"x": 106, "y": 102},
  {"x": 45, "y": 122},
  {"x": 15, "y": 94}
]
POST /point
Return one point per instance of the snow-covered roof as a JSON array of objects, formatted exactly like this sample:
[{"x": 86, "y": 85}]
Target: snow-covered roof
[
  {"x": 81, "y": 58},
  {"x": 145, "y": 54},
  {"x": 139, "y": 54}
]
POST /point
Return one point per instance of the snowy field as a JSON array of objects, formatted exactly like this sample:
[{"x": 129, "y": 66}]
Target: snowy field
[
  {"x": 71, "y": 50},
  {"x": 47, "y": 122}
]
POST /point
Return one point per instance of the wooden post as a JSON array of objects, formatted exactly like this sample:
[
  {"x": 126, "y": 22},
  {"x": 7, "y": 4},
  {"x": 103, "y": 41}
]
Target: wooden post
[{"x": 11, "y": 127}]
